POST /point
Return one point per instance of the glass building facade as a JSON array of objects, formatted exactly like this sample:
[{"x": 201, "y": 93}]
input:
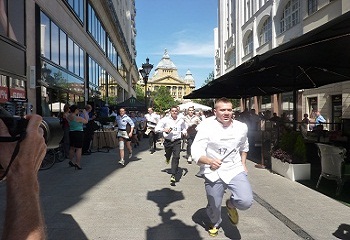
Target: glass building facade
[{"x": 63, "y": 52}]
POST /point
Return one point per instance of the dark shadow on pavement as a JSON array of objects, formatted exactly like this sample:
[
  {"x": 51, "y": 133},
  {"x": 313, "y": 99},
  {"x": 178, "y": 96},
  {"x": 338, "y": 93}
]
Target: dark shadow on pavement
[
  {"x": 343, "y": 232},
  {"x": 73, "y": 232},
  {"x": 171, "y": 228}
]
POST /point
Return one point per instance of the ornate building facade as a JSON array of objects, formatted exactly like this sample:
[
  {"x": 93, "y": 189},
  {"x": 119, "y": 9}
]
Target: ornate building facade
[
  {"x": 250, "y": 27},
  {"x": 166, "y": 74}
]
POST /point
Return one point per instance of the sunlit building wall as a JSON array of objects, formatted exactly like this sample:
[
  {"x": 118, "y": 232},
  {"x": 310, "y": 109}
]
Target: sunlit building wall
[{"x": 251, "y": 27}]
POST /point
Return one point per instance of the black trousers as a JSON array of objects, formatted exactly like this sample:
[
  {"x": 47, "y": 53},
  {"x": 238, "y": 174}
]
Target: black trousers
[
  {"x": 190, "y": 139},
  {"x": 152, "y": 138},
  {"x": 174, "y": 149}
]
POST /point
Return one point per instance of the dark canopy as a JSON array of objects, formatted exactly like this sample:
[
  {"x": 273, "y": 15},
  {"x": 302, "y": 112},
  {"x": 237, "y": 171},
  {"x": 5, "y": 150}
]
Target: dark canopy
[
  {"x": 132, "y": 104},
  {"x": 317, "y": 58}
]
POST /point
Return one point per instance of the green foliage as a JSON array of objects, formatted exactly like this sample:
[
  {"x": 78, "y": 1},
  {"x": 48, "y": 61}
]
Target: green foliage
[
  {"x": 162, "y": 100},
  {"x": 209, "y": 78},
  {"x": 300, "y": 148},
  {"x": 112, "y": 100},
  {"x": 140, "y": 93},
  {"x": 292, "y": 143}
]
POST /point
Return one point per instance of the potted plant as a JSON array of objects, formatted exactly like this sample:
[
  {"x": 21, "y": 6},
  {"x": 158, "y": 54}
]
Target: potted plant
[{"x": 288, "y": 157}]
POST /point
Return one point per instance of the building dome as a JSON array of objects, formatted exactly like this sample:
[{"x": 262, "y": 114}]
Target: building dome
[
  {"x": 189, "y": 78},
  {"x": 165, "y": 62}
]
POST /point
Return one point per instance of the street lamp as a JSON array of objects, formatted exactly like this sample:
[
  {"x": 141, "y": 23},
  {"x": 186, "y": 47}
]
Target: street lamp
[{"x": 144, "y": 71}]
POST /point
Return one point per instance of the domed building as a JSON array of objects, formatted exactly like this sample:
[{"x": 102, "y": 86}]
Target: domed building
[{"x": 166, "y": 74}]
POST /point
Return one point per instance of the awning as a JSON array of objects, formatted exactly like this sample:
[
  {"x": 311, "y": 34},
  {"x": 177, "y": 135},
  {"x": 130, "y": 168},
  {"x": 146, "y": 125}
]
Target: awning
[
  {"x": 132, "y": 104},
  {"x": 317, "y": 58}
]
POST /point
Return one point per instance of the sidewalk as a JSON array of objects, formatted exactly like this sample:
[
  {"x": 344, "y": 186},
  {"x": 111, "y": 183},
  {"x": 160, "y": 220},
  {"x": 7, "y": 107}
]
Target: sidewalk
[{"x": 136, "y": 202}]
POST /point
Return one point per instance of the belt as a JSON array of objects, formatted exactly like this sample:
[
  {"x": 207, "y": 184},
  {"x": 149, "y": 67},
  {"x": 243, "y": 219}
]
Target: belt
[
  {"x": 121, "y": 129},
  {"x": 169, "y": 140}
]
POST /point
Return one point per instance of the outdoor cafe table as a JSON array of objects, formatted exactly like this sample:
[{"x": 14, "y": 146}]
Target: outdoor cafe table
[{"x": 105, "y": 139}]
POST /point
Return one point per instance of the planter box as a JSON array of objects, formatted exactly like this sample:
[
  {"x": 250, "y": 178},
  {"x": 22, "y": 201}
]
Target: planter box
[{"x": 293, "y": 172}]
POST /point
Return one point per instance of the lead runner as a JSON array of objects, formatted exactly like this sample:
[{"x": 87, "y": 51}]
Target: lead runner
[{"x": 220, "y": 148}]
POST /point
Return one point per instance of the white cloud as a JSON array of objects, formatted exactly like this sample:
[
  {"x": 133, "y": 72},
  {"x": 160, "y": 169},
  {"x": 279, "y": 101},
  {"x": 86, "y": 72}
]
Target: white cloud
[{"x": 196, "y": 49}]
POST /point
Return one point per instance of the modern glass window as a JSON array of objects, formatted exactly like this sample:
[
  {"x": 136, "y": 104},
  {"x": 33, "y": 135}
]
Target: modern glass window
[
  {"x": 70, "y": 55},
  {"x": 16, "y": 20},
  {"x": 45, "y": 36},
  {"x": 78, "y": 8},
  {"x": 248, "y": 45},
  {"x": 290, "y": 16},
  {"x": 96, "y": 74},
  {"x": 54, "y": 41},
  {"x": 63, "y": 45},
  {"x": 112, "y": 52},
  {"x": 12, "y": 20},
  {"x": 312, "y": 6},
  {"x": 96, "y": 29},
  {"x": 59, "y": 48},
  {"x": 266, "y": 32}
]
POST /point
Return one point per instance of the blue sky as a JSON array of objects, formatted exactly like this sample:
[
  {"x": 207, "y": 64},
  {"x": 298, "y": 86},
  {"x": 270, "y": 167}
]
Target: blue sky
[{"x": 184, "y": 27}]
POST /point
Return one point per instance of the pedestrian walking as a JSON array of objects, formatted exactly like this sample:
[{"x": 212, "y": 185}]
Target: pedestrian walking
[
  {"x": 220, "y": 148},
  {"x": 172, "y": 128},
  {"x": 124, "y": 134}
]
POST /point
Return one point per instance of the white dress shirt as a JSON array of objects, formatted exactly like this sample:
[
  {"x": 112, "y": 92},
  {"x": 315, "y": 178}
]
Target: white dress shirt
[
  {"x": 215, "y": 141},
  {"x": 178, "y": 126},
  {"x": 152, "y": 119}
]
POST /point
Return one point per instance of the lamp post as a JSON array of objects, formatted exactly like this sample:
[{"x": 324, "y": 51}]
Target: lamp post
[{"x": 144, "y": 71}]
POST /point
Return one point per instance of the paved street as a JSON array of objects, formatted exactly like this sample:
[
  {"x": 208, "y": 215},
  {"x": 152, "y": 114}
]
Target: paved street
[{"x": 136, "y": 202}]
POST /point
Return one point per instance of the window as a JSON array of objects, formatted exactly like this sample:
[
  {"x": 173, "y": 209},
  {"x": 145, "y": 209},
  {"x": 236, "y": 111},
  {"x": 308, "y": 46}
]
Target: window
[
  {"x": 96, "y": 29},
  {"x": 312, "y": 6},
  {"x": 58, "y": 47},
  {"x": 290, "y": 16},
  {"x": 248, "y": 46},
  {"x": 266, "y": 32},
  {"x": 230, "y": 58},
  {"x": 54, "y": 43},
  {"x": 63, "y": 49},
  {"x": 78, "y": 8},
  {"x": 13, "y": 20}
]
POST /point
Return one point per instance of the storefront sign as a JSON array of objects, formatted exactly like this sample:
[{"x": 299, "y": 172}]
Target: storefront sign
[
  {"x": 17, "y": 93},
  {"x": 3, "y": 94}
]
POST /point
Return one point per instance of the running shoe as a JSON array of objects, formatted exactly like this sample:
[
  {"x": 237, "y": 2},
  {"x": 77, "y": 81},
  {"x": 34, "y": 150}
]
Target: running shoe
[
  {"x": 232, "y": 213},
  {"x": 130, "y": 155},
  {"x": 121, "y": 162},
  {"x": 167, "y": 161},
  {"x": 213, "y": 231},
  {"x": 172, "y": 179},
  {"x": 189, "y": 159}
]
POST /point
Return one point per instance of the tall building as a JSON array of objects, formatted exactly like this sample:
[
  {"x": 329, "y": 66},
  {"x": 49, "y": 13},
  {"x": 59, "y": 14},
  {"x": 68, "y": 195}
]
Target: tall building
[
  {"x": 166, "y": 74},
  {"x": 251, "y": 27},
  {"x": 66, "y": 51}
]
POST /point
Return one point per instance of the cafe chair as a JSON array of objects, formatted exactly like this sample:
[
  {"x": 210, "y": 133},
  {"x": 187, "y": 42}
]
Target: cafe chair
[{"x": 333, "y": 166}]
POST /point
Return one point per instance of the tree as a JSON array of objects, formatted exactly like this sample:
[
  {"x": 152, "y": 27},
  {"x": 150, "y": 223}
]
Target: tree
[
  {"x": 140, "y": 93},
  {"x": 209, "y": 78},
  {"x": 162, "y": 100}
]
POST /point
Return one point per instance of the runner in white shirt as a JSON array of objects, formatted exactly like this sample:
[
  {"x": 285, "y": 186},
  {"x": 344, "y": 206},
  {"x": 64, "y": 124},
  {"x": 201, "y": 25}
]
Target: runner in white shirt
[
  {"x": 192, "y": 122},
  {"x": 152, "y": 120},
  {"x": 220, "y": 148},
  {"x": 172, "y": 128}
]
